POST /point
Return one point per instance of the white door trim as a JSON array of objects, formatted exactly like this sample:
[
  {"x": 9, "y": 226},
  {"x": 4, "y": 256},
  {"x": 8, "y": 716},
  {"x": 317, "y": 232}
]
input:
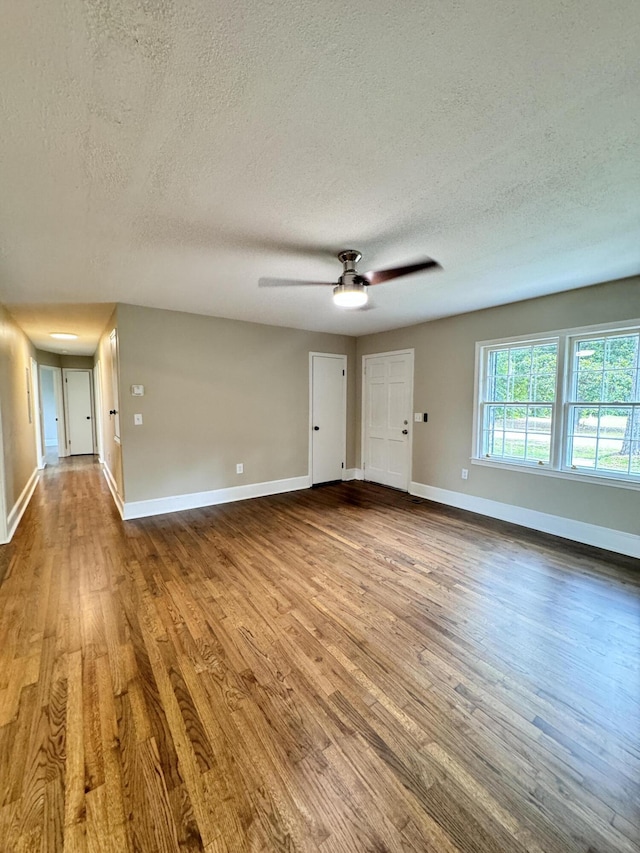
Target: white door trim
[
  {"x": 363, "y": 425},
  {"x": 344, "y": 360},
  {"x": 97, "y": 414},
  {"x": 65, "y": 372}
]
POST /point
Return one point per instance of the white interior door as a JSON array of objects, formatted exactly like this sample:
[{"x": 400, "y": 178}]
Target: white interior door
[
  {"x": 387, "y": 402},
  {"x": 60, "y": 413},
  {"x": 328, "y": 417},
  {"x": 77, "y": 384}
]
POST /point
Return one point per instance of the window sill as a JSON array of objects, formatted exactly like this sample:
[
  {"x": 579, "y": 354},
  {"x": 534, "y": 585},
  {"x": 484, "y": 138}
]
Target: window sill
[{"x": 545, "y": 471}]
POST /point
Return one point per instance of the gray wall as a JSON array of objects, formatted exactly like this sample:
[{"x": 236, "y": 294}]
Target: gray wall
[
  {"x": 217, "y": 392},
  {"x": 19, "y": 441},
  {"x": 444, "y": 387},
  {"x": 56, "y": 359}
]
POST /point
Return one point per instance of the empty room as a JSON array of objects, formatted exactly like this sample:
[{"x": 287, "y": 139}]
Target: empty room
[{"x": 320, "y": 427}]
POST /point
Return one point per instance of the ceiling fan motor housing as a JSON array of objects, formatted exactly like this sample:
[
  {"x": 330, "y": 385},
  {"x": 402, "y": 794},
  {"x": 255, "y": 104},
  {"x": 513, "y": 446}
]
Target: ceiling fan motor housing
[
  {"x": 351, "y": 290},
  {"x": 350, "y": 280}
]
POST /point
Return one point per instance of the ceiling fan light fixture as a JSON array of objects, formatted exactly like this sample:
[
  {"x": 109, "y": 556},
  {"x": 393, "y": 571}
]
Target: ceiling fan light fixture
[{"x": 350, "y": 295}]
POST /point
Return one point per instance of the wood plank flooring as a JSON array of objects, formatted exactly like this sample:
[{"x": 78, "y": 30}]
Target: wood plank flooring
[{"x": 343, "y": 669}]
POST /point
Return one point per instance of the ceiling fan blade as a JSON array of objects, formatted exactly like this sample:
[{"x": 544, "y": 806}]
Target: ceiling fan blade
[
  {"x": 378, "y": 276},
  {"x": 291, "y": 282}
]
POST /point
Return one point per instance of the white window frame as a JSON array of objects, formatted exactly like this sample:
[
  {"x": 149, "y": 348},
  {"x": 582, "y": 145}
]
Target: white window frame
[{"x": 558, "y": 463}]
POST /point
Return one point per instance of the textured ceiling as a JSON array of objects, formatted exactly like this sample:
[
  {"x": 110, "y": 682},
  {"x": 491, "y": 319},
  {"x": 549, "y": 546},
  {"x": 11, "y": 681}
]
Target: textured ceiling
[{"x": 171, "y": 153}]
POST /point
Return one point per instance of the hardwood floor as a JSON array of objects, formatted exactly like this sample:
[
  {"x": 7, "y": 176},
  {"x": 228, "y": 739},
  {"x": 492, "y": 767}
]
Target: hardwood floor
[{"x": 343, "y": 669}]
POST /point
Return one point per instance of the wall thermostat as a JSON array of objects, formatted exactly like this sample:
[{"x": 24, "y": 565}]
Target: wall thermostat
[{"x": 137, "y": 390}]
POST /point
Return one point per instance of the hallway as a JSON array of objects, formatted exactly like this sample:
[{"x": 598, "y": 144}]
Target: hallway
[{"x": 343, "y": 669}]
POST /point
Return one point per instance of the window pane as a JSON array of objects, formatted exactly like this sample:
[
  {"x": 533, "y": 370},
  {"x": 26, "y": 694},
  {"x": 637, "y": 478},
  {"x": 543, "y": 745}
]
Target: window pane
[
  {"x": 514, "y": 445},
  {"x": 520, "y": 361},
  {"x": 519, "y": 388},
  {"x": 584, "y": 421},
  {"x": 500, "y": 360},
  {"x": 539, "y": 419},
  {"x": 631, "y": 440},
  {"x": 583, "y": 437},
  {"x": 500, "y": 389},
  {"x": 589, "y": 386},
  {"x": 611, "y": 457},
  {"x": 618, "y": 386},
  {"x": 620, "y": 352},
  {"x": 518, "y": 432},
  {"x": 543, "y": 388},
  {"x": 583, "y": 452},
  {"x": 494, "y": 442},
  {"x": 543, "y": 358},
  {"x": 590, "y": 355},
  {"x": 522, "y": 374},
  {"x": 539, "y": 434},
  {"x": 604, "y": 438},
  {"x": 606, "y": 370}
]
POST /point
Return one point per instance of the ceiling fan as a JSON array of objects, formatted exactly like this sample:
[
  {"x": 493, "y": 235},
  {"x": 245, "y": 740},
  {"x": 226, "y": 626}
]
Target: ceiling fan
[{"x": 351, "y": 290}]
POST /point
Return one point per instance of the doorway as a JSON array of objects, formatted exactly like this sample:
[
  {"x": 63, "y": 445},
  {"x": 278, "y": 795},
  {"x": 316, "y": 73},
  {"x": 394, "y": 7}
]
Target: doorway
[
  {"x": 387, "y": 401},
  {"x": 52, "y": 412},
  {"x": 328, "y": 416},
  {"x": 79, "y": 411}
]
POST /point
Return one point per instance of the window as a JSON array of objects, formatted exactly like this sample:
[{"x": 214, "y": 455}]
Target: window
[
  {"x": 604, "y": 404},
  {"x": 565, "y": 403},
  {"x": 520, "y": 387}
]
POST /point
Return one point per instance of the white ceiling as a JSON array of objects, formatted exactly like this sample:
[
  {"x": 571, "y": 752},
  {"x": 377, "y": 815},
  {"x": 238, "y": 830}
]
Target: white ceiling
[{"x": 171, "y": 153}]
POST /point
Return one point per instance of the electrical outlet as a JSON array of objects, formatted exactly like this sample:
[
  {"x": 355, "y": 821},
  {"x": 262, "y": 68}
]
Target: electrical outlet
[
  {"x": 137, "y": 420},
  {"x": 240, "y": 468},
  {"x": 465, "y": 474}
]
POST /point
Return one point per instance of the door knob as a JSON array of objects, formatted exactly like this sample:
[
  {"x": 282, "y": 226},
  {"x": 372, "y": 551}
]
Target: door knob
[
  {"x": 316, "y": 428},
  {"x": 405, "y": 432}
]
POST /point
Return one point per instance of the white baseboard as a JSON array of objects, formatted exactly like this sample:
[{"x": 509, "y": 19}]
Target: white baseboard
[
  {"x": 176, "y": 503},
  {"x": 113, "y": 489},
  {"x": 568, "y": 528},
  {"x": 352, "y": 474},
  {"x": 13, "y": 519}
]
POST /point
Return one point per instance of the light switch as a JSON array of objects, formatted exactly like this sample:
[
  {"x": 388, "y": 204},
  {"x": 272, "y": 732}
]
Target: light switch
[
  {"x": 417, "y": 416},
  {"x": 137, "y": 390},
  {"x": 137, "y": 420}
]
